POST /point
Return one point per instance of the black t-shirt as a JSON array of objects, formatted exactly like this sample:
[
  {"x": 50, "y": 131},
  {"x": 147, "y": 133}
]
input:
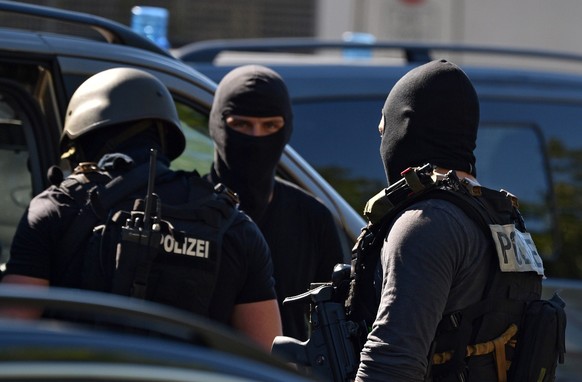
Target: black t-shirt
[
  {"x": 245, "y": 274},
  {"x": 305, "y": 245}
]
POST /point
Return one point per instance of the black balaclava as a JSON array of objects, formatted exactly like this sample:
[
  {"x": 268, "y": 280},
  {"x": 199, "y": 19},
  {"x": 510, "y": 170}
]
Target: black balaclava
[
  {"x": 430, "y": 116},
  {"x": 132, "y": 138},
  {"x": 245, "y": 163}
]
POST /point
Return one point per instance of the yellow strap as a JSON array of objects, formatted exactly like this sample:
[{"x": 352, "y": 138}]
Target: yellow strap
[
  {"x": 497, "y": 345},
  {"x": 500, "y": 359}
]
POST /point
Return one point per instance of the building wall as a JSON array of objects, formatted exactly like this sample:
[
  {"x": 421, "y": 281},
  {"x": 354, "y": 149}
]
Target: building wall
[
  {"x": 194, "y": 20},
  {"x": 532, "y": 24},
  {"x": 403, "y": 20},
  {"x": 526, "y": 24}
]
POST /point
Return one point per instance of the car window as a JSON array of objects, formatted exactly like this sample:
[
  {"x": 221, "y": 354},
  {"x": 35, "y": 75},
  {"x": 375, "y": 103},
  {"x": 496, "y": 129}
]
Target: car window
[
  {"x": 15, "y": 176},
  {"x": 28, "y": 113},
  {"x": 199, "y": 146},
  {"x": 513, "y": 157},
  {"x": 340, "y": 139},
  {"x": 558, "y": 126}
]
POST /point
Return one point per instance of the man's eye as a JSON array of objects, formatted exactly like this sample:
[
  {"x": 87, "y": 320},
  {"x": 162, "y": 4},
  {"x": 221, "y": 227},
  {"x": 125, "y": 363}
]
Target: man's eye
[
  {"x": 238, "y": 124},
  {"x": 273, "y": 125}
]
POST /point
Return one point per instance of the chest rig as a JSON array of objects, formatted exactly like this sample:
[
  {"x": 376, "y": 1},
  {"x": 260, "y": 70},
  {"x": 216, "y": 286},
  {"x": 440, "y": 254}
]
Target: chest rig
[
  {"x": 142, "y": 247},
  {"x": 486, "y": 329}
]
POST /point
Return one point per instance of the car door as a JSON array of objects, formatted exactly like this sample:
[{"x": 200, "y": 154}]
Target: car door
[{"x": 27, "y": 146}]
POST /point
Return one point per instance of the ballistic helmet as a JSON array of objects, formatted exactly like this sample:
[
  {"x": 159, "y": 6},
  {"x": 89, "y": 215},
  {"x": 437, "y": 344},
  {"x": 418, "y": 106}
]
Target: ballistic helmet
[{"x": 121, "y": 96}]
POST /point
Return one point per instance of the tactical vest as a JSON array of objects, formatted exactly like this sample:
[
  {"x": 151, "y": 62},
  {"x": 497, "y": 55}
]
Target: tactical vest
[
  {"x": 179, "y": 264},
  {"x": 485, "y": 329}
]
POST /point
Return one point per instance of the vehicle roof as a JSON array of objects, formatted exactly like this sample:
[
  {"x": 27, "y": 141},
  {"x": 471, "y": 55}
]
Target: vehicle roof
[
  {"x": 315, "y": 67},
  {"x": 181, "y": 343},
  {"x": 410, "y": 52},
  {"x": 25, "y": 42},
  {"x": 109, "y": 30},
  {"x": 340, "y": 81}
]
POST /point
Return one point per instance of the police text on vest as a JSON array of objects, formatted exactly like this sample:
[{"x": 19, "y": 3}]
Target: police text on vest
[
  {"x": 516, "y": 250},
  {"x": 189, "y": 246}
]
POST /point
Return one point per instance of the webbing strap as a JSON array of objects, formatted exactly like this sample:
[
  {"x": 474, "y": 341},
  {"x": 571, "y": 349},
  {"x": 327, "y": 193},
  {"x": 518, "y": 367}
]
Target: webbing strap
[
  {"x": 101, "y": 201},
  {"x": 467, "y": 317},
  {"x": 496, "y": 346},
  {"x": 214, "y": 202},
  {"x": 412, "y": 180},
  {"x": 361, "y": 302},
  {"x": 481, "y": 205},
  {"x": 481, "y": 348}
]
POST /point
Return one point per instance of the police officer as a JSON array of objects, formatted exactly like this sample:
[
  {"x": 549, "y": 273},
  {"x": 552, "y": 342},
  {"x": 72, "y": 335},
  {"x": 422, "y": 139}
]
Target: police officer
[
  {"x": 113, "y": 121},
  {"x": 436, "y": 259},
  {"x": 251, "y": 121}
]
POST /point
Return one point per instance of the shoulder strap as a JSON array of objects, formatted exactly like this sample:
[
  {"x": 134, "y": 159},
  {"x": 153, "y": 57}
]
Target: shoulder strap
[
  {"x": 484, "y": 206},
  {"x": 100, "y": 198},
  {"x": 361, "y": 303},
  {"x": 216, "y": 210}
]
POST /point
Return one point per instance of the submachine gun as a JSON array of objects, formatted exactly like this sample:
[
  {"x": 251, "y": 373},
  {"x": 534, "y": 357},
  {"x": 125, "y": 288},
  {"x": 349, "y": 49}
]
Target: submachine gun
[
  {"x": 342, "y": 311},
  {"x": 332, "y": 351}
]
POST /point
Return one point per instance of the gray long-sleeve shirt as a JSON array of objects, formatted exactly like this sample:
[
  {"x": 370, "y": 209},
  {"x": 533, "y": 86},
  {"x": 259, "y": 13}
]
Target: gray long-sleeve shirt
[{"x": 435, "y": 261}]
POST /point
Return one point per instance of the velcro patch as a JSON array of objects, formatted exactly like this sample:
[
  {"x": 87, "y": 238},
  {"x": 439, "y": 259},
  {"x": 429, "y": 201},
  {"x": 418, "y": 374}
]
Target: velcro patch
[
  {"x": 188, "y": 246},
  {"x": 516, "y": 250}
]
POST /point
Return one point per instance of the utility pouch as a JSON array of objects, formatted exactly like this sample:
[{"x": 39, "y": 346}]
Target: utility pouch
[{"x": 541, "y": 342}]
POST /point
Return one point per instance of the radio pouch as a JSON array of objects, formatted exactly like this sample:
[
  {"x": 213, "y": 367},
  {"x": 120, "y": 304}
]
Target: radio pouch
[{"x": 541, "y": 341}]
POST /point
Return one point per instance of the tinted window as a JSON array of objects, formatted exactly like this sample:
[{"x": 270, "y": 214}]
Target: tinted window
[
  {"x": 199, "y": 147},
  {"x": 512, "y": 157},
  {"x": 532, "y": 149},
  {"x": 27, "y": 137},
  {"x": 15, "y": 177},
  {"x": 559, "y": 125},
  {"x": 340, "y": 140}
]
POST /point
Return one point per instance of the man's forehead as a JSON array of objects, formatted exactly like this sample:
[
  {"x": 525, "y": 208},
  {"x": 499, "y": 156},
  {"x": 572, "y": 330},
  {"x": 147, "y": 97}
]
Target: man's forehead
[{"x": 250, "y": 117}]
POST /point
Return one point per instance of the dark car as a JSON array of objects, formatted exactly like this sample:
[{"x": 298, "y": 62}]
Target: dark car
[
  {"x": 39, "y": 71},
  {"x": 529, "y": 133},
  {"x": 134, "y": 340},
  {"x": 529, "y": 143}
]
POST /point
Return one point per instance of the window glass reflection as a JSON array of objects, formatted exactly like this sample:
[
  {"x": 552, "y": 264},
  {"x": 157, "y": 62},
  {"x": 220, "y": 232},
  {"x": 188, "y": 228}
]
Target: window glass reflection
[{"x": 199, "y": 147}]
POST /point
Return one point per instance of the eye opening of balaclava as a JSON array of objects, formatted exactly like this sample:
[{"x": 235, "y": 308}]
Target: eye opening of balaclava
[
  {"x": 431, "y": 115},
  {"x": 243, "y": 162}
]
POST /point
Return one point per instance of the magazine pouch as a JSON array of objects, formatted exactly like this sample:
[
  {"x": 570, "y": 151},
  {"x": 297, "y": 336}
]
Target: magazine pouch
[{"x": 541, "y": 342}]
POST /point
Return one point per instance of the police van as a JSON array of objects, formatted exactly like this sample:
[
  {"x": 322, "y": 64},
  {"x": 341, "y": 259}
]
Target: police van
[{"x": 529, "y": 142}]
